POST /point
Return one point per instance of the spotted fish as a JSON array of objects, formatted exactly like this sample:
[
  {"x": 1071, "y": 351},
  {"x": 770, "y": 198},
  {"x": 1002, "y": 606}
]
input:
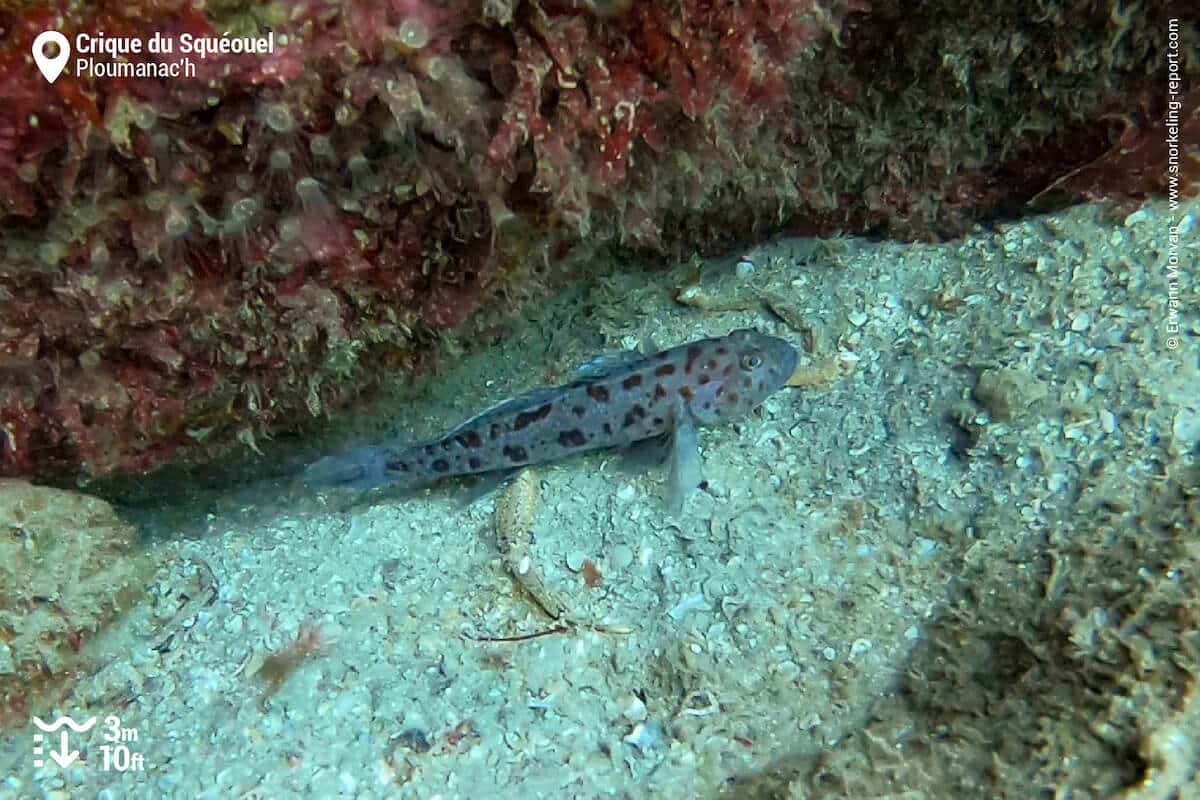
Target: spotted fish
[{"x": 666, "y": 395}]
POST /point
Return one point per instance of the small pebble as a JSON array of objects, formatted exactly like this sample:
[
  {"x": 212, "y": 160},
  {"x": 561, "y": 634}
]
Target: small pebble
[
  {"x": 695, "y": 602},
  {"x": 414, "y": 739},
  {"x": 857, "y": 318},
  {"x": 789, "y": 670},
  {"x": 1186, "y": 224},
  {"x": 621, "y": 556},
  {"x": 575, "y": 561},
  {"x": 645, "y": 736},
  {"x": 632, "y": 708},
  {"x": 1141, "y": 215},
  {"x": 348, "y": 783},
  {"x": 829, "y": 654}
]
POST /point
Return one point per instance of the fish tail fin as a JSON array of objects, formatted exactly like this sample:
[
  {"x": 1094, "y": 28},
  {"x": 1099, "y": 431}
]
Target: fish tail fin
[{"x": 362, "y": 468}]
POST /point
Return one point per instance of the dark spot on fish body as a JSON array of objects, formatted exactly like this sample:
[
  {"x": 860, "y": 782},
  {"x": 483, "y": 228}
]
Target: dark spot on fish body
[
  {"x": 693, "y": 354},
  {"x": 711, "y": 365},
  {"x": 727, "y": 371},
  {"x": 572, "y": 438},
  {"x": 607, "y": 429},
  {"x": 428, "y": 449},
  {"x": 733, "y": 397},
  {"x": 398, "y": 466},
  {"x": 721, "y": 350},
  {"x": 440, "y": 465},
  {"x": 495, "y": 432},
  {"x": 515, "y": 453},
  {"x": 632, "y": 382},
  {"x": 665, "y": 370},
  {"x": 703, "y": 379},
  {"x": 686, "y": 392},
  {"x": 470, "y": 440},
  {"x": 658, "y": 421},
  {"x": 474, "y": 463},
  {"x": 633, "y": 416},
  {"x": 578, "y": 411},
  {"x": 527, "y": 418},
  {"x": 598, "y": 393},
  {"x": 660, "y": 391}
]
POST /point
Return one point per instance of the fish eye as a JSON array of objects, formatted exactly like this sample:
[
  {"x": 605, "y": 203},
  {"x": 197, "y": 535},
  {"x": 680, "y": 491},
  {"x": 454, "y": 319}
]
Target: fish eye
[{"x": 751, "y": 361}]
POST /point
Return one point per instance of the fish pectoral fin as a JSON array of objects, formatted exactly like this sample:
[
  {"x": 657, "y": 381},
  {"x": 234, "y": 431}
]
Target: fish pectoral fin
[
  {"x": 650, "y": 453},
  {"x": 686, "y": 472}
]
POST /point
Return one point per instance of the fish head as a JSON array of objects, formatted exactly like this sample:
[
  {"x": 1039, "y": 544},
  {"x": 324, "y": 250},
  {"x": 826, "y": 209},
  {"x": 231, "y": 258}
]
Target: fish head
[{"x": 762, "y": 366}]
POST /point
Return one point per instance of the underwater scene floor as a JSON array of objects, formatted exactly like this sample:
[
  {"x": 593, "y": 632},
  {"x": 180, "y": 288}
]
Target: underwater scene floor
[{"x": 958, "y": 553}]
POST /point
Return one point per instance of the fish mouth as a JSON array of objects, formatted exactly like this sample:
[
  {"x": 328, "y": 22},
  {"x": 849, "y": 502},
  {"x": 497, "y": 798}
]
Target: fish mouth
[
  {"x": 790, "y": 360},
  {"x": 784, "y": 357}
]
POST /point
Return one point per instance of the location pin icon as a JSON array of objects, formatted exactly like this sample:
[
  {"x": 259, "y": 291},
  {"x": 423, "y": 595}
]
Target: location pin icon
[{"x": 51, "y": 67}]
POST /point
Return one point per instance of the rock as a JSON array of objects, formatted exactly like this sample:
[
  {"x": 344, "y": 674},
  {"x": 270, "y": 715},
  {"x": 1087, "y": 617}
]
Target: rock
[
  {"x": 68, "y": 565},
  {"x": 1008, "y": 394}
]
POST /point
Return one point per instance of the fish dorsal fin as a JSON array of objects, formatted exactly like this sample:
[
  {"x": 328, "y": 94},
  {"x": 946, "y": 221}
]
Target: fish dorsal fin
[
  {"x": 608, "y": 363},
  {"x": 524, "y": 400}
]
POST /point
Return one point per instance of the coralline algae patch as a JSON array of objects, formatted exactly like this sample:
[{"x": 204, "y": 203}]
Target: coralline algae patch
[{"x": 377, "y": 172}]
